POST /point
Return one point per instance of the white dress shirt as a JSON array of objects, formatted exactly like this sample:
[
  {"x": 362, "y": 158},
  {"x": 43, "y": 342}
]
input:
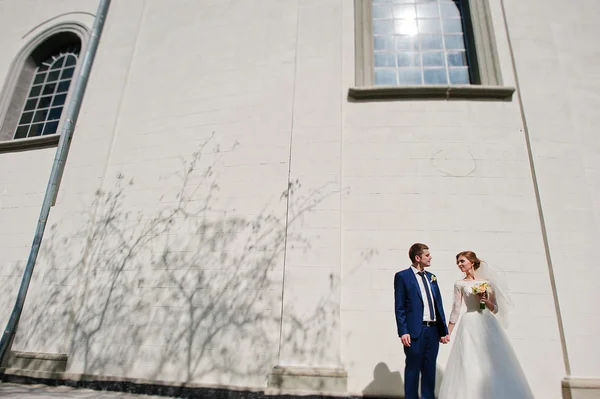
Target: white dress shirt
[{"x": 424, "y": 294}]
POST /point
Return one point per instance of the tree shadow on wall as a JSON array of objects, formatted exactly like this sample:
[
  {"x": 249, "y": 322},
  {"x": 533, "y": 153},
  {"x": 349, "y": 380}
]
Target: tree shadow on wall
[{"x": 185, "y": 292}]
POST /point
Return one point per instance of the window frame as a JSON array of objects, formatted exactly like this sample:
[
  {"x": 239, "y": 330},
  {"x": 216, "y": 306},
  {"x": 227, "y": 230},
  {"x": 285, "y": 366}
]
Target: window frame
[
  {"x": 12, "y": 97},
  {"x": 484, "y": 64},
  {"x": 53, "y": 97}
]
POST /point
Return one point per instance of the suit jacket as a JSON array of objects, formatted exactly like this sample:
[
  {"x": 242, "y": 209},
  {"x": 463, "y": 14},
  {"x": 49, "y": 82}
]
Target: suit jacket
[{"x": 410, "y": 305}]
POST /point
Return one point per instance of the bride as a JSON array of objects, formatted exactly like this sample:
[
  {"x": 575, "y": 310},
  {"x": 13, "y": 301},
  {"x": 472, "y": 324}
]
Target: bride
[{"x": 482, "y": 363}]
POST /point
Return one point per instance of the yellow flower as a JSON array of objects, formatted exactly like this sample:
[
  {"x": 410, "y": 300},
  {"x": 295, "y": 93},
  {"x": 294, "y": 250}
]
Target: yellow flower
[
  {"x": 433, "y": 278},
  {"x": 481, "y": 288}
]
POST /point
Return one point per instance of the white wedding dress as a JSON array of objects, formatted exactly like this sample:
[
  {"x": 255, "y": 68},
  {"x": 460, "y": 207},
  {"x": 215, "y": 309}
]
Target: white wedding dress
[{"x": 482, "y": 362}]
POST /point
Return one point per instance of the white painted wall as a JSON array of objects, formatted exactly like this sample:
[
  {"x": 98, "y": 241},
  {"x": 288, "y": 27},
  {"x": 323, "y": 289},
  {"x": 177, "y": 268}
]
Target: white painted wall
[
  {"x": 554, "y": 62},
  {"x": 24, "y": 174},
  {"x": 124, "y": 288}
]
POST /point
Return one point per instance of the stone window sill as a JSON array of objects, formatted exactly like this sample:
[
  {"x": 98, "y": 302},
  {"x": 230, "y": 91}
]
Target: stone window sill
[
  {"x": 473, "y": 92},
  {"x": 29, "y": 143}
]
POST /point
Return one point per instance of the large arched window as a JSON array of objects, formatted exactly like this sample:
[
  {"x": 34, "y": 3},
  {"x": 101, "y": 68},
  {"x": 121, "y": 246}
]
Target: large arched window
[
  {"x": 35, "y": 98},
  {"x": 46, "y": 98}
]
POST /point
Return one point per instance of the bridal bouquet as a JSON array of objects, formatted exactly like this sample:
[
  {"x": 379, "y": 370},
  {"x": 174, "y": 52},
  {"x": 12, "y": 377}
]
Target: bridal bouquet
[{"x": 481, "y": 288}]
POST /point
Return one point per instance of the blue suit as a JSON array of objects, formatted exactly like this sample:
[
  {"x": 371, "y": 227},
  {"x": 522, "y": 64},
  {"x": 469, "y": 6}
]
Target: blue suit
[{"x": 421, "y": 355}]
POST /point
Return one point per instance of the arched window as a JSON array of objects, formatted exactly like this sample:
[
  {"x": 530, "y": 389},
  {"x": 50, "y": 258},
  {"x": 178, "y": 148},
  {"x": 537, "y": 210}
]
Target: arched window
[
  {"x": 40, "y": 86},
  {"x": 46, "y": 98}
]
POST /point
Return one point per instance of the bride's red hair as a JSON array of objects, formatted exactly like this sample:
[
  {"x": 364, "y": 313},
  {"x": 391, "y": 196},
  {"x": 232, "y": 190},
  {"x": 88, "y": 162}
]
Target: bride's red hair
[{"x": 471, "y": 256}]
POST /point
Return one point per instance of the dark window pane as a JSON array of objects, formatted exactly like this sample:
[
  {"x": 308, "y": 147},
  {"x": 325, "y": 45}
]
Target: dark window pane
[
  {"x": 45, "y": 102},
  {"x": 40, "y": 116},
  {"x": 49, "y": 89},
  {"x": 21, "y": 132},
  {"x": 67, "y": 73},
  {"x": 409, "y": 76},
  {"x": 35, "y": 91},
  {"x": 26, "y": 118},
  {"x": 71, "y": 61},
  {"x": 30, "y": 104},
  {"x": 435, "y": 76},
  {"x": 433, "y": 59},
  {"x": 36, "y": 130},
  {"x": 50, "y": 128},
  {"x": 385, "y": 77},
  {"x": 409, "y": 60},
  {"x": 457, "y": 59},
  {"x": 59, "y": 63},
  {"x": 59, "y": 100},
  {"x": 39, "y": 78},
  {"x": 63, "y": 86},
  {"x": 54, "y": 113},
  {"x": 53, "y": 76},
  {"x": 459, "y": 76}
]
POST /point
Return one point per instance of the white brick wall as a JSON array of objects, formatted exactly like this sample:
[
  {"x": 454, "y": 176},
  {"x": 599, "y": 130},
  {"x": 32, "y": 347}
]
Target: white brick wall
[
  {"x": 126, "y": 291},
  {"x": 554, "y": 67}
]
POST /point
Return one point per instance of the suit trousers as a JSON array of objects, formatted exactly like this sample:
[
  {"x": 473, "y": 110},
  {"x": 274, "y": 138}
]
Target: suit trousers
[{"x": 420, "y": 359}]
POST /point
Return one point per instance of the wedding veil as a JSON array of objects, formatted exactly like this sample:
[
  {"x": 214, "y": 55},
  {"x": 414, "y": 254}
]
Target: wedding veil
[{"x": 504, "y": 303}]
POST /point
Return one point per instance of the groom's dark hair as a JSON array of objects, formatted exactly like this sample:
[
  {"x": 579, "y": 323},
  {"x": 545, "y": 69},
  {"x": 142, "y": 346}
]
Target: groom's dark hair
[{"x": 416, "y": 250}]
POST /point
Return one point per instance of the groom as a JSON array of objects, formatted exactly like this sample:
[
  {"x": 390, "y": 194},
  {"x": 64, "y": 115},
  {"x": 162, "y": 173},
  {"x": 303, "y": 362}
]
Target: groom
[{"x": 421, "y": 322}]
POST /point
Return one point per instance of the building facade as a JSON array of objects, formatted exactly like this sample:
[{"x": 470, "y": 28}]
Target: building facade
[{"x": 246, "y": 177}]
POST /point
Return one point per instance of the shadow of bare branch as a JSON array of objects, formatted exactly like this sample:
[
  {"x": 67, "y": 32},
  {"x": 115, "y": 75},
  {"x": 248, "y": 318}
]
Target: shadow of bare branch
[{"x": 186, "y": 290}]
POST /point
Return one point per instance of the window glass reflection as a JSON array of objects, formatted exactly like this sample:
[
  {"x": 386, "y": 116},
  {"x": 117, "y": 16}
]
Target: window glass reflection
[
  {"x": 385, "y": 77},
  {"x": 418, "y": 42},
  {"x": 435, "y": 76}
]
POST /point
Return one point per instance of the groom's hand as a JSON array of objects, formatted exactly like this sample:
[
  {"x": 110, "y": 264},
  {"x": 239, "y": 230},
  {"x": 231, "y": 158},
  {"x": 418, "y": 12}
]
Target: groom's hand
[
  {"x": 445, "y": 340},
  {"x": 405, "y": 339}
]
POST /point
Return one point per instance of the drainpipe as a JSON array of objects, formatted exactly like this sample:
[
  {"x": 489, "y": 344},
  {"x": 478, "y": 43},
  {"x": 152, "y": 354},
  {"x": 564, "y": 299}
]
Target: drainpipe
[{"x": 70, "y": 121}]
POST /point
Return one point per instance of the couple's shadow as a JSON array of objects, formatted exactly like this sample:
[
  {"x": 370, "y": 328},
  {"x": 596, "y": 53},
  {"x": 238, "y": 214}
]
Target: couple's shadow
[{"x": 389, "y": 384}]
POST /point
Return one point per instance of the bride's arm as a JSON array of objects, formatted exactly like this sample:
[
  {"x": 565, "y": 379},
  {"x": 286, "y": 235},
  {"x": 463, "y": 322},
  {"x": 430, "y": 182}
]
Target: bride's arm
[
  {"x": 491, "y": 302},
  {"x": 456, "y": 304}
]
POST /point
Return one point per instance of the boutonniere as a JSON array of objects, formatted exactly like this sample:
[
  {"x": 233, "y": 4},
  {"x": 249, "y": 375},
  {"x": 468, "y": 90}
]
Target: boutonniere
[{"x": 433, "y": 278}]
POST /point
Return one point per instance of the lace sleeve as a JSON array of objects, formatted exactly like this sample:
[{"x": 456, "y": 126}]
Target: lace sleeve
[
  {"x": 493, "y": 298},
  {"x": 456, "y": 303}
]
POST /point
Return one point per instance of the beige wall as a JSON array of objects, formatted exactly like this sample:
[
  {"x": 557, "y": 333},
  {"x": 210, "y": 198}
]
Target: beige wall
[
  {"x": 455, "y": 175},
  {"x": 554, "y": 61},
  {"x": 24, "y": 174},
  {"x": 126, "y": 275}
]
